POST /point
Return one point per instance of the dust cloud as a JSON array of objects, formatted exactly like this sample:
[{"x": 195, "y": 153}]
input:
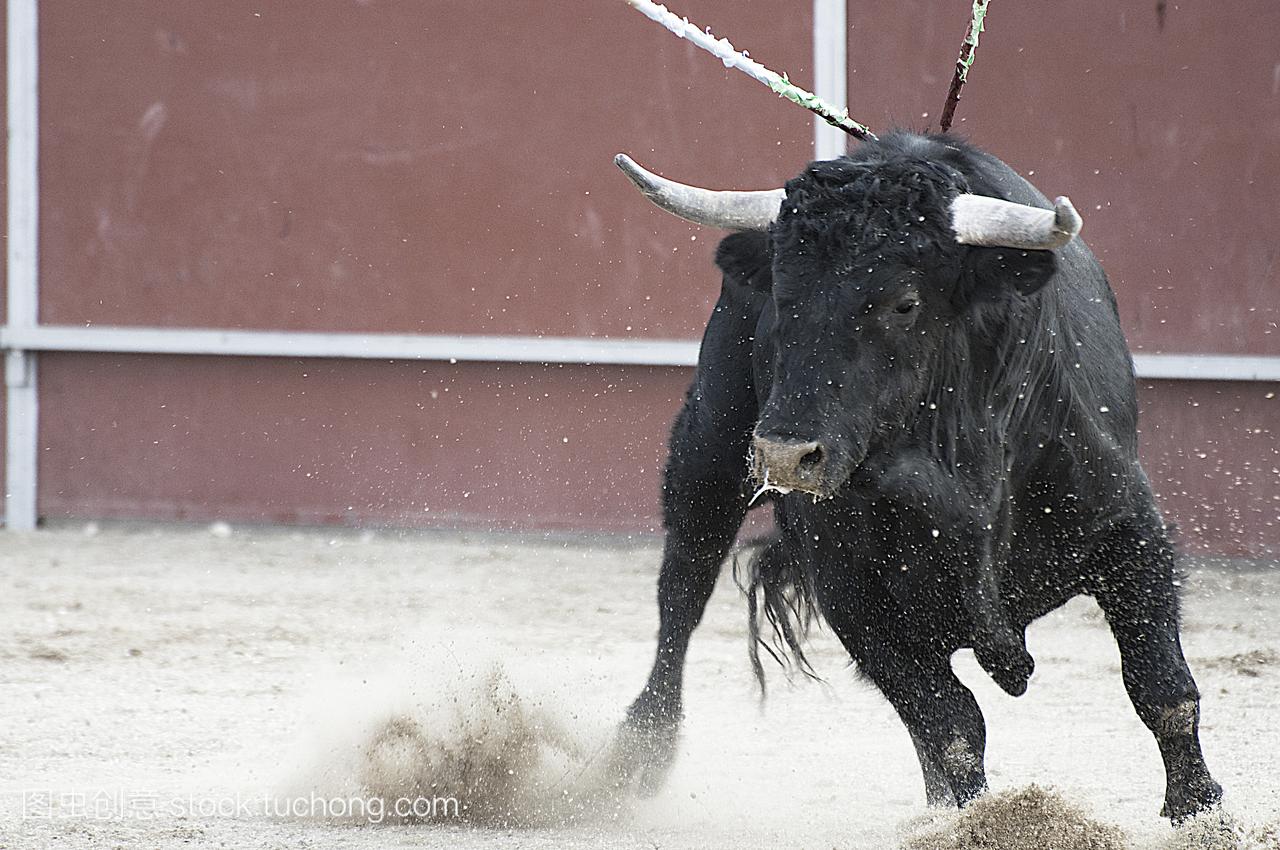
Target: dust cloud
[{"x": 458, "y": 739}]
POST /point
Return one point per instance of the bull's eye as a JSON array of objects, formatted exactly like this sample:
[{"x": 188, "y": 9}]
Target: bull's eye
[{"x": 906, "y": 306}]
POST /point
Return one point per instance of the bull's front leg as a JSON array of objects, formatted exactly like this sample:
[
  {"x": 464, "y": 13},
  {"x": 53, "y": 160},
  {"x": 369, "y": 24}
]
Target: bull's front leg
[
  {"x": 704, "y": 500},
  {"x": 702, "y": 519},
  {"x": 1000, "y": 648},
  {"x": 969, "y": 522},
  {"x": 979, "y": 528}
]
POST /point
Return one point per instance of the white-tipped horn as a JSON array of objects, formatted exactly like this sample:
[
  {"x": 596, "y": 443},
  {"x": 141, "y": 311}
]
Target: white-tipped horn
[
  {"x": 979, "y": 220},
  {"x": 727, "y": 210}
]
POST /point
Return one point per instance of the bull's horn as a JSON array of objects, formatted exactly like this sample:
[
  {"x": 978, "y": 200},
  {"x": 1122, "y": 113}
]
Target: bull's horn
[
  {"x": 979, "y": 220},
  {"x": 727, "y": 210}
]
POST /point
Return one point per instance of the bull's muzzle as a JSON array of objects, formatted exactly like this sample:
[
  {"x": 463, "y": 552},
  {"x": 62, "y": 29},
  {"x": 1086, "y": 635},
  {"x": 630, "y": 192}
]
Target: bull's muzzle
[{"x": 787, "y": 463}]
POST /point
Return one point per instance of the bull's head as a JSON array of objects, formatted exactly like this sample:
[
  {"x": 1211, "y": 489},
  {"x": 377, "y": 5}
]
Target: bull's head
[{"x": 874, "y": 263}]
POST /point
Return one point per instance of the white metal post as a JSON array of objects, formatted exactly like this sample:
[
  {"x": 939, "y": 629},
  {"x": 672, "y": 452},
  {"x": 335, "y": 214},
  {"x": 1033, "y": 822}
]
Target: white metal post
[
  {"x": 23, "y": 261},
  {"x": 830, "y": 73}
]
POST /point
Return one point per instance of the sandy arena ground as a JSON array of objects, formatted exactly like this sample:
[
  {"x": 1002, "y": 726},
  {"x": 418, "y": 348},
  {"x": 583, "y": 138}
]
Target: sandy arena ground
[{"x": 144, "y": 668}]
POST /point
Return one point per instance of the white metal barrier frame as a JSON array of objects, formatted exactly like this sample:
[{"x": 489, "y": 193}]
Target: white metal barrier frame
[{"x": 23, "y": 336}]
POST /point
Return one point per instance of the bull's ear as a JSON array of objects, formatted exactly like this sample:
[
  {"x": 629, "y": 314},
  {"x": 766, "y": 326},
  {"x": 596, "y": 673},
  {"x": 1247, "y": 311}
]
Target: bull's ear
[
  {"x": 993, "y": 271},
  {"x": 744, "y": 259}
]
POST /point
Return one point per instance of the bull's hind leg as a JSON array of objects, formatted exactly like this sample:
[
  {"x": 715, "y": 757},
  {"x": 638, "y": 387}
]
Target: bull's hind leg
[{"x": 1140, "y": 600}]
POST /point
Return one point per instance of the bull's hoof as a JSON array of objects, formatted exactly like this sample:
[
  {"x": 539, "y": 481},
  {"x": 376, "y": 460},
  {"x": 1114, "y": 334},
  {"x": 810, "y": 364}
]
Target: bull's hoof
[
  {"x": 643, "y": 751},
  {"x": 1007, "y": 662},
  {"x": 1190, "y": 800}
]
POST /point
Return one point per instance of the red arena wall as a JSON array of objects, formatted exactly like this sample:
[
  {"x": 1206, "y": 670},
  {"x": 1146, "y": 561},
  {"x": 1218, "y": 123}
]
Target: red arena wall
[{"x": 445, "y": 168}]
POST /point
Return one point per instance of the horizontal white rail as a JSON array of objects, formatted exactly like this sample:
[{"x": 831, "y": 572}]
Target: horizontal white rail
[
  {"x": 1207, "y": 367},
  {"x": 498, "y": 349},
  {"x": 374, "y": 346}
]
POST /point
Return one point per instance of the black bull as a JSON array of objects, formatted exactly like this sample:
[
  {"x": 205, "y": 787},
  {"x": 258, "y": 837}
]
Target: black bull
[{"x": 947, "y": 434}]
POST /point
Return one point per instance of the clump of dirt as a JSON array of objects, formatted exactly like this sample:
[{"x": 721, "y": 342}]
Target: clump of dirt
[
  {"x": 1031, "y": 818},
  {"x": 48, "y": 653}
]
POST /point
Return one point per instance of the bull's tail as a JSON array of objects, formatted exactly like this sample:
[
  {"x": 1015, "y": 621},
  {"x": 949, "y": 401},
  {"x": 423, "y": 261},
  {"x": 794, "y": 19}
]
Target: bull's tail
[{"x": 773, "y": 578}]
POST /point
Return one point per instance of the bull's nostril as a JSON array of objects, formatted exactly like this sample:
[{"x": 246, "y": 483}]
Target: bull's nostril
[
  {"x": 812, "y": 460},
  {"x": 788, "y": 462}
]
